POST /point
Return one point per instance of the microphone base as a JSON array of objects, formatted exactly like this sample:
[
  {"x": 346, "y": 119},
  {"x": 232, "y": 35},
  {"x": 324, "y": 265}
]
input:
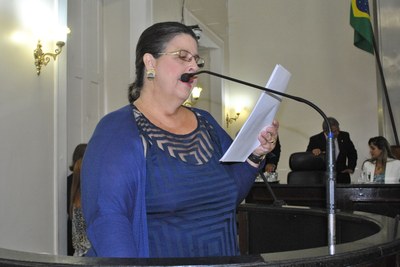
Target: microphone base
[{"x": 279, "y": 203}]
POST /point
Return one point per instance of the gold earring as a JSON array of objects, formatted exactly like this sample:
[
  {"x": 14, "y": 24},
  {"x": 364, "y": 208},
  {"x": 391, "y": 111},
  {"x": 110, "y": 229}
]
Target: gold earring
[{"x": 150, "y": 74}]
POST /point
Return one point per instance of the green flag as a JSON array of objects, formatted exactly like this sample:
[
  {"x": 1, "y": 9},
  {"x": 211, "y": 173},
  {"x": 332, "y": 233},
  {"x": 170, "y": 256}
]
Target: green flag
[{"x": 361, "y": 23}]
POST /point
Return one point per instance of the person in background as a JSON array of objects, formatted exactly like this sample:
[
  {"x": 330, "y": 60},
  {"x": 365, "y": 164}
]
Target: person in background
[
  {"x": 272, "y": 158},
  {"x": 78, "y": 153},
  {"x": 382, "y": 167},
  {"x": 346, "y": 154},
  {"x": 80, "y": 242},
  {"x": 152, "y": 181}
]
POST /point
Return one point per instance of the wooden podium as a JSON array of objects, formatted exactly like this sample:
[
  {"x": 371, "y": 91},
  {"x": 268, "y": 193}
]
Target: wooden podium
[{"x": 383, "y": 199}]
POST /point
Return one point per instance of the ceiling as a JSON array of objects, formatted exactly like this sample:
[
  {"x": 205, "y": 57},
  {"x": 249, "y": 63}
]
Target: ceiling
[{"x": 213, "y": 13}]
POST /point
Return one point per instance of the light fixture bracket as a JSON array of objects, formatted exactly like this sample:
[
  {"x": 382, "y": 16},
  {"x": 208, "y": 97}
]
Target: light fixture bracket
[
  {"x": 194, "y": 96},
  {"x": 230, "y": 120},
  {"x": 41, "y": 59}
]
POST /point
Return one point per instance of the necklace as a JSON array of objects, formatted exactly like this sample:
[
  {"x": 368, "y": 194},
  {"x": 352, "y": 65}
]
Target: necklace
[{"x": 379, "y": 169}]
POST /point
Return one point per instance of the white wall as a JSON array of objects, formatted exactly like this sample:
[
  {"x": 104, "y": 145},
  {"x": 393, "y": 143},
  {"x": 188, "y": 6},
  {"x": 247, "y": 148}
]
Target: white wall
[
  {"x": 314, "y": 41},
  {"x": 28, "y": 106},
  {"x": 117, "y": 55},
  {"x": 389, "y": 39}
]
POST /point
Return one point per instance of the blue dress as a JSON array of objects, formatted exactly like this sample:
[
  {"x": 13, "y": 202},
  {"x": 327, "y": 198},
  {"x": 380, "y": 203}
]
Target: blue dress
[
  {"x": 115, "y": 191},
  {"x": 379, "y": 178},
  {"x": 190, "y": 197}
]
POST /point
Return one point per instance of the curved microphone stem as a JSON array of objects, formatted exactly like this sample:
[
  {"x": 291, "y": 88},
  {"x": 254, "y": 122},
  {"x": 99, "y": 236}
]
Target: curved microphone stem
[{"x": 330, "y": 165}]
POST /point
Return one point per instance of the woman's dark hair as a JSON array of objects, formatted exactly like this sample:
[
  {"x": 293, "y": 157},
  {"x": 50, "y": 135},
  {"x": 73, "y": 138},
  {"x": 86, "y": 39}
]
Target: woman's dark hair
[
  {"x": 381, "y": 143},
  {"x": 153, "y": 41},
  {"x": 75, "y": 198},
  {"x": 78, "y": 154}
]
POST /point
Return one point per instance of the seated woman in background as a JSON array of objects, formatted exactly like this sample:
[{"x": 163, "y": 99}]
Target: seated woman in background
[
  {"x": 79, "y": 151},
  {"x": 382, "y": 166},
  {"x": 80, "y": 242}
]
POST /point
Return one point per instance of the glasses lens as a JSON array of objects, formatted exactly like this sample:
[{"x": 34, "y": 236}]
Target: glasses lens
[
  {"x": 200, "y": 62},
  {"x": 185, "y": 55}
]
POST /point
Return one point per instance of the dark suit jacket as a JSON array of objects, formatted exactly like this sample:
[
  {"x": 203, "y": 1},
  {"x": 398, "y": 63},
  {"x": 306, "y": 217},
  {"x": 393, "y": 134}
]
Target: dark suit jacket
[
  {"x": 347, "y": 158},
  {"x": 273, "y": 156}
]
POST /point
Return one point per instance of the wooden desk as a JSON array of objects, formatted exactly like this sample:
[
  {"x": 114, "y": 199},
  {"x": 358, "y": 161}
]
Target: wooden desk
[{"x": 383, "y": 199}]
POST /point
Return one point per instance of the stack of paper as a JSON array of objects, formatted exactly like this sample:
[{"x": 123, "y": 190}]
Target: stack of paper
[{"x": 262, "y": 115}]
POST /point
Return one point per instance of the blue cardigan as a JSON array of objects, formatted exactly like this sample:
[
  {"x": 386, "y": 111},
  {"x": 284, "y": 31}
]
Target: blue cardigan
[{"x": 114, "y": 180}]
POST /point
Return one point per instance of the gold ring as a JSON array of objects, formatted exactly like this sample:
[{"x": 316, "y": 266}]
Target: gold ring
[{"x": 272, "y": 142}]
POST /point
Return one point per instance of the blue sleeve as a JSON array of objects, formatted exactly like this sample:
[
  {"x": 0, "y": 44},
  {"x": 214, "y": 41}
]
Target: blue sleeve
[{"x": 113, "y": 180}]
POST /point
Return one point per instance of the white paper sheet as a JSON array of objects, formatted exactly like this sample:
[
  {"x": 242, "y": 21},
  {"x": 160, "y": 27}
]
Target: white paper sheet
[{"x": 262, "y": 115}]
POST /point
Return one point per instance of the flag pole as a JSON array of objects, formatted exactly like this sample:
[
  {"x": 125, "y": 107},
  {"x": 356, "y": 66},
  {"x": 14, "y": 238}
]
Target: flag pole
[{"x": 385, "y": 91}]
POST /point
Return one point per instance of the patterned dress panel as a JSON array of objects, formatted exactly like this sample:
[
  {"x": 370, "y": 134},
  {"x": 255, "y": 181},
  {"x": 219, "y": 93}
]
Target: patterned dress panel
[
  {"x": 80, "y": 242},
  {"x": 190, "y": 198},
  {"x": 194, "y": 148}
]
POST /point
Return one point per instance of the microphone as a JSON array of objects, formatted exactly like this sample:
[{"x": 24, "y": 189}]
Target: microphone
[
  {"x": 186, "y": 77},
  {"x": 330, "y": 149}
]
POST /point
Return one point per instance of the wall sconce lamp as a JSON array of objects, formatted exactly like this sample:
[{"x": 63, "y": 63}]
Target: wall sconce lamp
[
  {"x": 41, "y": 59},
  {"x": 194, "y": 96},
  {"x": 230, "y": 120}
]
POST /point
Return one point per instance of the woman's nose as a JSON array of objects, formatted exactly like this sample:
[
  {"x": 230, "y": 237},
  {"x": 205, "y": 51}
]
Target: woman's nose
[{"x": 193, "y": 64}]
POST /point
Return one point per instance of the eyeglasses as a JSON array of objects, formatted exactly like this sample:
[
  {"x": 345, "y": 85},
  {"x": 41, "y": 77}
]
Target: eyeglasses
[{"x": 186, "y": 56}]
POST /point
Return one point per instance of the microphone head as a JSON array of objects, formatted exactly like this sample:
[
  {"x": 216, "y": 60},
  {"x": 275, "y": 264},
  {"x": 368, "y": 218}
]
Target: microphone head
[{"x": 186, "y": 77}]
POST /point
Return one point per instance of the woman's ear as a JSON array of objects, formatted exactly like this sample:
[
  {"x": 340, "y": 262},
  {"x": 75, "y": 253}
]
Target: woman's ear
[{"x": 148, "y": 61}]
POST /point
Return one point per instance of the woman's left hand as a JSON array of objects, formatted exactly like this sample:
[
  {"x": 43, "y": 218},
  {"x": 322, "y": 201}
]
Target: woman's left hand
[{"x": 267, "y": 138}]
